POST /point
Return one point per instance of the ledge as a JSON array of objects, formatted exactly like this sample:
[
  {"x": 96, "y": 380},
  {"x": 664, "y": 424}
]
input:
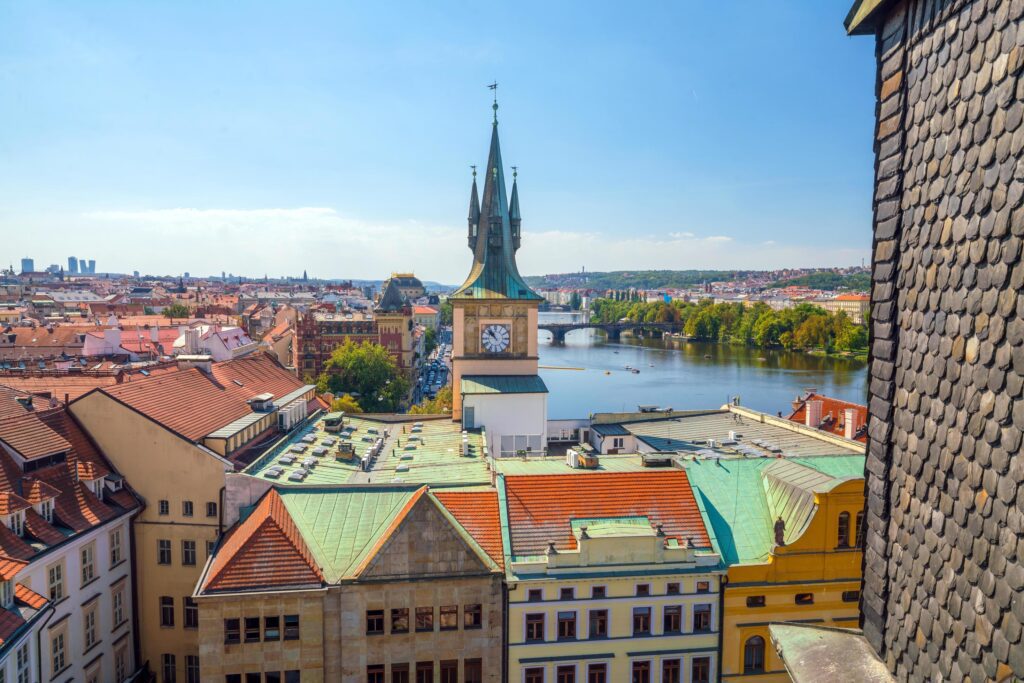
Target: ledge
[{"x": 817, "y": 653}]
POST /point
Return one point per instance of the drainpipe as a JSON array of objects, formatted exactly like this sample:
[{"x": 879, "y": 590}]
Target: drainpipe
[
  {"x": 721, "y": 624},
  {"x": 39, "y": 643},
  {"x": 504, "y": 631}
]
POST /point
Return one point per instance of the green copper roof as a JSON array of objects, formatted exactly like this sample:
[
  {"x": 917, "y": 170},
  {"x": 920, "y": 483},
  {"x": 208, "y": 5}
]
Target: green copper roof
[
  {"x": 503, "y": 384},
  {"x": 494, "y": 274}
]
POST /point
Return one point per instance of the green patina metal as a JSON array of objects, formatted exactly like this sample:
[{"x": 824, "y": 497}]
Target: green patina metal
[{"x": 502, "y": 384}]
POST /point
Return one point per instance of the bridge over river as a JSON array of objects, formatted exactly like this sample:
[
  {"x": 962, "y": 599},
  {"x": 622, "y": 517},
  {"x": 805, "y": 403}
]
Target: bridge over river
[{"x": 613, "y": 330}]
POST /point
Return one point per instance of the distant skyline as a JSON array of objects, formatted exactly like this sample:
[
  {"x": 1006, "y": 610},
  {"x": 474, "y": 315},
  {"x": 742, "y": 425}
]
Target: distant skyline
[{"x": 170, "y": 137}]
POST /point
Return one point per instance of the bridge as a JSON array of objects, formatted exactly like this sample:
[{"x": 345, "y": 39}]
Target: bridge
[{"x": 613, "y": 330}]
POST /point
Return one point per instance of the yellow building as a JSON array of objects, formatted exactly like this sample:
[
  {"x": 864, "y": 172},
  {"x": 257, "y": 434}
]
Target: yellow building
[
  {"x": 612, "y": 577},
  {"x": 788, "y": 528},
  {"x": 175, "y": 436}
]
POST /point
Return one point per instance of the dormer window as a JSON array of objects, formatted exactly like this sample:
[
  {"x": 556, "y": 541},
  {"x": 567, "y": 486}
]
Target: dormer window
[
  {"x": 6, "y": 594},
  {"x": 97, "y": 487},
  {"x": 16, "y": 522},
  {"x": 45, "y": 510}
]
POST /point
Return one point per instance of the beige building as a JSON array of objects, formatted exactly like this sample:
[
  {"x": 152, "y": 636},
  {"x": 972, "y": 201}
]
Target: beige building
[
  {"x": 356, "y": 583},
  {"x": 175, "y": 436}
]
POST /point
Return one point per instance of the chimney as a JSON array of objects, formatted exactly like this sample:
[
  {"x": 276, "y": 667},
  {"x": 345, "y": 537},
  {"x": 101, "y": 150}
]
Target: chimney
[
  {"x": 154, "y": 333},
  {"x": 112, "y": 340},
  {"x": 203, "y": 362},
  {"x": 851, "y": 426},
  {"x": 812, "y": 413}
]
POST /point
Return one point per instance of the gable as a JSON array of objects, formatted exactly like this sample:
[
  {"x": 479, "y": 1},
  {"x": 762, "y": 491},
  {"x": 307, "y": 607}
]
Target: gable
[{"x": 426, "y": 542}]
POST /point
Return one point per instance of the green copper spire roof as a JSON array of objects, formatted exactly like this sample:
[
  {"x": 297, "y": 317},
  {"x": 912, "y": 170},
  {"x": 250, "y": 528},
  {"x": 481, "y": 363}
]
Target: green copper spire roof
[
  {"x": 391, "y": 301},
  {"x": 494, "y": 274}
]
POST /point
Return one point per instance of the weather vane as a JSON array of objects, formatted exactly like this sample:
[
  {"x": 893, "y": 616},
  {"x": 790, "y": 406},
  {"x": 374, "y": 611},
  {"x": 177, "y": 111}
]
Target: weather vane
[
  {"x": 515, "y": 171},
  {"x": 473, "y": 166},
  {"x": 494, "y": 88}
]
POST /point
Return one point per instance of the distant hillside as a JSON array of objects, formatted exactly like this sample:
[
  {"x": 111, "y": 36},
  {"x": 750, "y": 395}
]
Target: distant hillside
[
  {"x": 859, "y": 282},
  {"x": 639, "y": 279}
]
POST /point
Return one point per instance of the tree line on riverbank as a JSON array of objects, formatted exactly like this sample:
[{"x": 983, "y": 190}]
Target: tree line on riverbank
[{"x": 804, "y": 326}]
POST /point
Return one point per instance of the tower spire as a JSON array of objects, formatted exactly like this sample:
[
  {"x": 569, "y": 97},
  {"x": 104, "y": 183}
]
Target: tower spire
[
  {"x": 494, "y": 89},
  {"x": 474, "y": 213},
  {"x": 514, "y": 219}
]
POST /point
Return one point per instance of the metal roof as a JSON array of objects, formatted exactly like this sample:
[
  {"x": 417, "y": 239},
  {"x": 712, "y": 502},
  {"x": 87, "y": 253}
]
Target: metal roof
[{"x": 503, "y": 384}]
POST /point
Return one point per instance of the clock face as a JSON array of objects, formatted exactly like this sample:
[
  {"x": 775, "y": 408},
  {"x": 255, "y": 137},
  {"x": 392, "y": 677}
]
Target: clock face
[{"x": 495, "y": 338}]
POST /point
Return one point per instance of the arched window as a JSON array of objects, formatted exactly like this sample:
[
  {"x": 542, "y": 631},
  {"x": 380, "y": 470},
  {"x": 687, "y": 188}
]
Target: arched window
[
  {"x": 860, "y": 529},
  {"x": 753, "y": 655},
  {"x": 844, "y": 530}
]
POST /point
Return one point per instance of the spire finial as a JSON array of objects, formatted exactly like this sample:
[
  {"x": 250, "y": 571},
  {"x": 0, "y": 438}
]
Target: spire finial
[
  {"x": 494, "y": 89},
  {"x": 515, "y": 172},
  {"x": 473, "y": 166}
]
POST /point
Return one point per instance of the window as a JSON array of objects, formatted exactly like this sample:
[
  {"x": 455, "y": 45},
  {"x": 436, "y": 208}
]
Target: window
[
  {"x": 252, "y": 678},
  {"x": 210, "y": 545},
  {"x": 641, "y": 672},
  {"x": 291, "y": 627},
  {"x": 88, "y": 566},
  {"x": 804, "y": 598},
  {"x": 375, "y": 673},
  {"x": 165, "y": 507},
  {"x": 190, "y": 612},
  {"x": 565, "y": 674},
  {"x": 672, "y": 621},
  {"x": 252, "y": 629},
  {"x": 700, "y": 670},
  {"x": 211, "y": 509},
  {"x": 643, "y": 589},
  {"x": 424, "y": 672},
  {"x": 57, "y": 655},
  {"x": 533, "y": 675},
  {"x": 89, "y": 626},
  {"x": 472, "y": 616},
  {"x": 860, "y": 529},
  {"x": 843, "y": 530},
  {"x": 115, "y": 547},
  {"x": 702, "y": 618},
  {"x": 851, "y": 596},
  {"x": 400, "y": 620},
  {"x": 55, "y": 578},
  {"x": 641, "y": 621},
  {"x": 567, "y": 626},
  {"x": 166, "y": 611},
  {"x": 374, "y": 621},
  {"x": 450, "y": 671},
  {"x": 6, "y": 596},
  {"x": 188, "y": 553},
  {"x": 232, "y": 631},
  {"x": 191, "y": 669},
  {"x": 753, "y": 655},
  {"x": 755, "y": 601},
  {"x": 598, "y": 592},
  {"x": 567, "y": 594},
  {"x": 46, "y": 510},
  {"x": 186, "y": 508},
  {"x": 703, "y": 587},
  {"x": 534, "y": 627},
  {"x": 163, "y": 551},
  {"x": 169, "y": 667},
  {"x": 424, "y": 618},
  {"x": 535, "y": 595},
  {"x": 473, "y": 671},
  {"x": 449, "y": 617},
  {"x": 672, "y": 588},
  {"x": 399, "y": 673},
  {"x": 599, "y": 623},
  {"x": 671, "y": 671},
  {"x": 233, "y": 678},
  {"x": 17, "y": 523},
  {"x": 117, "y": 599},
  {"x": 23, "y": 664},
  {"x": 597, "y": 673}
]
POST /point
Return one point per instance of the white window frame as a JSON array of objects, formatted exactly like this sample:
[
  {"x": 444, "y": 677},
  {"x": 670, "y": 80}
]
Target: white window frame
[
  {"x": 87, "y": 557},
  {"x": 115, "y": 547},
  {"x": 58, "y": 569}
]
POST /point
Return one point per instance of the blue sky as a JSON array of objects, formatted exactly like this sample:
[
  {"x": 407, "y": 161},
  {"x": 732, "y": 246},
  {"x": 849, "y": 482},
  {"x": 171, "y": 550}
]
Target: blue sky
[{"x": 337, "y": 137}]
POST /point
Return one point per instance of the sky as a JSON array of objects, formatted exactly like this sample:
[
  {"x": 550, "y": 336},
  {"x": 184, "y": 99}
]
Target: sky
[{"x": 336, "y": 138}]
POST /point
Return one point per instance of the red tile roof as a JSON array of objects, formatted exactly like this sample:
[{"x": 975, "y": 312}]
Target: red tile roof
[
  {"x": 29, "y": 596},
  {"x": 541, "y": 508},
  {"x": 477, "y": 512},
  {"x": 39, "y": 528},
  {"x": 10, "y": 406},
  {"x": 10, "y": 622},
  {"x": 171, "y": 398},
  {"x": 35, "y": 491},
  {"x": 10, "y": 566},
  {"x": 837, "y": 410},
  {"x": 11, "y": 503},
  {"x": 30, "y": 437},
  {"x": 264, "y": 550}
]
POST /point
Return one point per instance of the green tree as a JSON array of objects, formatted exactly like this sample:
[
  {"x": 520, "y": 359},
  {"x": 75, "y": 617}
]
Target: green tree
[
  {"x": 575, "y": 301},
  {"x": 178, "y": 310},
  {"x": 440, "y": 404},
  {"x": 813, "y": 333},
  {"x": 768, "y": 330},
  {"x": 429, "y": 340},
  {"x": 446, "y": 313},
  {"x": 369, "y": 373},
  {"x": 345, "y": 403}
]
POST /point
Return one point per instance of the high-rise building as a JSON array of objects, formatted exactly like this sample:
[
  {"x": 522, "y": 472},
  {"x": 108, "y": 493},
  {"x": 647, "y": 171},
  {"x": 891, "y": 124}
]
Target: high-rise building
[
  {"x": 72, "y": 265},
  {"x": 28, "y": 265},
  {"x": 92, "y": 266}
]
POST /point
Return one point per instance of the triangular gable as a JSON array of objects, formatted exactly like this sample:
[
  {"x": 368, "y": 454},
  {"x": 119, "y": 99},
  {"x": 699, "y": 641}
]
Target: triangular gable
[
  {"x": 425, "y": 541},
  {"x": 264, "y": 550}
]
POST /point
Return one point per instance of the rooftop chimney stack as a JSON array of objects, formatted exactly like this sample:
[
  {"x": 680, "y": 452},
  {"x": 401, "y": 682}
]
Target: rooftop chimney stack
[
  {"x": 812, "y": 413},
  {"x": 850, "y": 423}
]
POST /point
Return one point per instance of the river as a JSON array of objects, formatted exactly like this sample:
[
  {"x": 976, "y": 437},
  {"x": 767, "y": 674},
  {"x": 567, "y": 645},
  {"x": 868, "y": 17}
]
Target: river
[{"x": 677, "y": 374}]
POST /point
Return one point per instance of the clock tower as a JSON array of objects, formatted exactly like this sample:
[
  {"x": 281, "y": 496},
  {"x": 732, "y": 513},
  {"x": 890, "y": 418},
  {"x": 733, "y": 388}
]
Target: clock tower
[{"x": 495, "y": 384}]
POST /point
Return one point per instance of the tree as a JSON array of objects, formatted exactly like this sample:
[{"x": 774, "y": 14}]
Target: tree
[
  {"x": 813, "y": 333},
  {"x": 429, "y": 340},
  {"x": 440, "y": 404},
  {"x": 446, "y": 313},
  {"x": 178, "y": 310},
  {"x": 345, "y": 403},
  {"x": 575, "y": 302},
  {"x": 369, "y": 373}
]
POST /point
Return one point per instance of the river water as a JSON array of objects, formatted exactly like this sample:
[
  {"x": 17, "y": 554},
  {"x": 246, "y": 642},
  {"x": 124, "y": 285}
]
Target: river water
[{"x": 588, "y": 374}]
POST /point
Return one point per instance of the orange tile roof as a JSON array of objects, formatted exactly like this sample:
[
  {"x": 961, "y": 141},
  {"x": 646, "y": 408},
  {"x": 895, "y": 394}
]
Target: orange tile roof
[
  {"x": 35, "y": 491},
  {"x": 9, "y": 567},
  {"x": 10, "y": 622},
  {"x": 13, "y": 546},
  {"x": 30, "y": 437},
  {"x": 541, "y": 507},
  {"x": 171, "y": 398},
  {"x": 11, "y": 503},
  {"x": 477, "y": 512},
  {"x": 11, "y": 407},
  {"x": 58, "y": 385},
  {"x": 40, "y": 529},
  {"x": 837, "y": 409},
  {"x": 29, "y": 596},
  {"x": 264, "y": 550}
]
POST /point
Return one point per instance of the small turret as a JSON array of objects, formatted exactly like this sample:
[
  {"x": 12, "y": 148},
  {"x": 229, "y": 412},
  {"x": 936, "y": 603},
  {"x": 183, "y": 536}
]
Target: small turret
[
  {"x": 514, "y": 219},
  {"x": 474, "y": 213}
]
